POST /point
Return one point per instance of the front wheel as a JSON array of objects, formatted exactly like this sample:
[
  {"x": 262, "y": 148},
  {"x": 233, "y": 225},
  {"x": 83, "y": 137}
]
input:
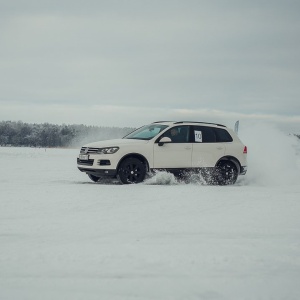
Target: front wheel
[
  {"x": 132, "y": 170},
  {"x": 226, "y": 173},
  {"x": 93, "y": 177}
]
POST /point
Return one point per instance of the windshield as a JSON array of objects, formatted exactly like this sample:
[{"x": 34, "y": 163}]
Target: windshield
[{"x": 146, "y": 132}]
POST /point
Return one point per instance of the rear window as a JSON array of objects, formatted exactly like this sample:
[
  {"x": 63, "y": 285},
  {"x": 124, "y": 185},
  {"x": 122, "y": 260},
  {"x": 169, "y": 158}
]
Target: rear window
[{"x": 222, "y": 135}]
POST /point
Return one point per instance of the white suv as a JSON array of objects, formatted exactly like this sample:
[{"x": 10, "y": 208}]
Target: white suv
[{"x": 178, "y": 147}]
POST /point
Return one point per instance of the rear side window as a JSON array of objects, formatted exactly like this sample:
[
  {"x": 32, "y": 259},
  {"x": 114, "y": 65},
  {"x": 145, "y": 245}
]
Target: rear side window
[
  {"x": 222, "y": 135},
  {"x": 202, "y": 134}
]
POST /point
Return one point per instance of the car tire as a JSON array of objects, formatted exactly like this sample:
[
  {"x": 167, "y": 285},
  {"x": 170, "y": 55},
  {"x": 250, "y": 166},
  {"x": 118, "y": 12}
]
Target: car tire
[
  {"x": 226, "y": 173},
  {"x": 94, "y": 178},
  {"x": 132, "y": 170}
]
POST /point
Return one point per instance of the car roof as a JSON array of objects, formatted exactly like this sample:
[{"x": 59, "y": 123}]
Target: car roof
[{"x": 187, "y": 122}]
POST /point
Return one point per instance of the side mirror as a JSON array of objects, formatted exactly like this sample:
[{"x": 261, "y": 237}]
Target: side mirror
[{"x": 163, "y": 140}]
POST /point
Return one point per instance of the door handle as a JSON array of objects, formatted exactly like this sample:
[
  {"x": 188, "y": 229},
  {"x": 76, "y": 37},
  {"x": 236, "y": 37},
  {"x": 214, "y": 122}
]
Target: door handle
[
  {"x": 188, "y": 147},
  {"x": 219, "y": 148}
]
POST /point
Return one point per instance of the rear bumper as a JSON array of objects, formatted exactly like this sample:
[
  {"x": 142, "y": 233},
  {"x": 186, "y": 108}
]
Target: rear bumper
[{"x": 243, "y": 170}]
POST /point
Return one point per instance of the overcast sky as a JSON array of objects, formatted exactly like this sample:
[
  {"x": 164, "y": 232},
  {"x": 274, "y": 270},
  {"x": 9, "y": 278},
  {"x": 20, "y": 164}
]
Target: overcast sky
[{"x": 131, "y": 62}]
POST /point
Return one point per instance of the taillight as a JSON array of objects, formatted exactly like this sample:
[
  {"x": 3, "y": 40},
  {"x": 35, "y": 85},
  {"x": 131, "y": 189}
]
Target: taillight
[{"x": 245, "y": 150}]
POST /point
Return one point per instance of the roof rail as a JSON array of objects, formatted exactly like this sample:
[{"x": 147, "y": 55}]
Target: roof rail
[
  {"x": 180, "y": 122},
  {"x": 161, "y": 122}
]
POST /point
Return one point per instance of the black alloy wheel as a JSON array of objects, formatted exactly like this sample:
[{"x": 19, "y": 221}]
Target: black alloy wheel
[
  {"x": 226, "y": 173},
  {"x": 93, "y": 177},
  {"x": 132, "y": 170}
]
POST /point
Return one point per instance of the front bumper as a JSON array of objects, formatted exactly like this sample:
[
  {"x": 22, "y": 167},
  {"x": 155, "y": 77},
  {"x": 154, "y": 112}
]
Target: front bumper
[
  {"x": 99, "y": 172},
  {"x": 97, "y": 166}
]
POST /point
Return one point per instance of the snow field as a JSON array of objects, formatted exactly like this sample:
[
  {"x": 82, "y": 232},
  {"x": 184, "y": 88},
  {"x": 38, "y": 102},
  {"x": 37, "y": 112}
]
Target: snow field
[{"x": 64, "y": 237}]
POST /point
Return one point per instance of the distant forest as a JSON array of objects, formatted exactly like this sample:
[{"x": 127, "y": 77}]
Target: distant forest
[{"x": 21, "y": 134}]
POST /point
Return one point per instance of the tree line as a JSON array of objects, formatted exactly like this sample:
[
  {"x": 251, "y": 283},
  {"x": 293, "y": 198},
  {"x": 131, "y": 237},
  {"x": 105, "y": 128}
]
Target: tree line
[{"x": 19, "y": 134}]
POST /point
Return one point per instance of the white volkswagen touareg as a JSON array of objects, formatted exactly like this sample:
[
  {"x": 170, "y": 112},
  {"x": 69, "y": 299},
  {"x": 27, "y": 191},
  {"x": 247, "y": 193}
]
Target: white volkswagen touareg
[{"x": 213, "y": 150}]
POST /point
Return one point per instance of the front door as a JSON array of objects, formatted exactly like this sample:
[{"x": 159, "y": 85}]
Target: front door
[{"x": 174, "y": 154}]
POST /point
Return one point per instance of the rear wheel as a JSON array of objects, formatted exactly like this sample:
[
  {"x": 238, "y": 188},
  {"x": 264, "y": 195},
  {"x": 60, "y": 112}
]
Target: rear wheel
[
  {"x": 132, "y": 170},
  {"x": 226, "y": 173},
  {"x": 94, "y": 178}
]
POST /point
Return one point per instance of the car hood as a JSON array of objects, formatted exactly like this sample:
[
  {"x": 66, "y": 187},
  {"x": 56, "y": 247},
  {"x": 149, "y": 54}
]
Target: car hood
[{"x": 116, "y": 142}]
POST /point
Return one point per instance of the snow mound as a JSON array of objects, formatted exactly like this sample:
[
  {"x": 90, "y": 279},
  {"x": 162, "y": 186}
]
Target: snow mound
[
  {"x": 161, "y": 178},
  {"x": 166, "y": 178}
]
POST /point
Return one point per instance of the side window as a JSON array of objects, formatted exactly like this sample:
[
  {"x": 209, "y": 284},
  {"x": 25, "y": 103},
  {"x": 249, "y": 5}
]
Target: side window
[
  {"x": 202, "y": 134},
  {"x": 178, "y": 134},
  {"x": 222, "y": 135}
]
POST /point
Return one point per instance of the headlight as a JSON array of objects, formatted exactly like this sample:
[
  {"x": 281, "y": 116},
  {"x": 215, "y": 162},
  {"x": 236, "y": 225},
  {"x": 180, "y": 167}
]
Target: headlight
[{"x": 109, "y": 150}]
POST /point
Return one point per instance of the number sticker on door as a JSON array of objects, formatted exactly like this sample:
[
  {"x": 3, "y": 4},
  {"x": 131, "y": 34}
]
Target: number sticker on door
[{"x": 198, "y": 136}]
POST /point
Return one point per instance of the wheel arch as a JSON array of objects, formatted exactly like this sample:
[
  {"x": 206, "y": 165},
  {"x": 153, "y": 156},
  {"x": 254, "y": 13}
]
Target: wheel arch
[
  {"x": 232, "y": 159},
  {"x": 134, "y": 155}
]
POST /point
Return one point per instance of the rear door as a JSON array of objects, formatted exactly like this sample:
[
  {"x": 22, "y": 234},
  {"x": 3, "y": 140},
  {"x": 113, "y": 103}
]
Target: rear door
[{"x": 206, "y": 150}]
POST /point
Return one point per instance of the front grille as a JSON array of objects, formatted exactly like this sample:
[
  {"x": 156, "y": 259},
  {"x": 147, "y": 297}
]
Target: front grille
[
  {"x": 90, "y": 150},
  {"x": 89, "y": 162}
]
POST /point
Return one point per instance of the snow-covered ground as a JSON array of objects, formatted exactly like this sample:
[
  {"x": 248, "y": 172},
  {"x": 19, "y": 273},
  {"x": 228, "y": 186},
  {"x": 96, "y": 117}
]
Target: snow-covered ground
[{"x": 64, "y": 237}]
